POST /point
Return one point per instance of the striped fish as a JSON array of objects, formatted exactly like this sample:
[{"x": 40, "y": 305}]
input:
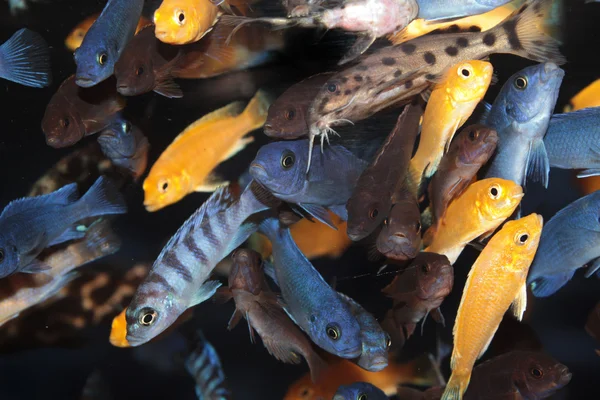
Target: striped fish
[
  {"x": 204, "y": 365},
  {"x": 178, "y": 279}
]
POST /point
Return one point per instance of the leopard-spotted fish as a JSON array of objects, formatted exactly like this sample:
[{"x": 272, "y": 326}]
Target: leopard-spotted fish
[
  {"x": 178, "y": 279},
  {"x": 393, "y": 74}
]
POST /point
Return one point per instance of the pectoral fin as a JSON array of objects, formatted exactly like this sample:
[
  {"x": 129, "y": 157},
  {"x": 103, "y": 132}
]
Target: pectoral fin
[
  {"x": 206, "y": 291},
  {"x": 362, "y": 44},
  {"x": 211, "y": 183},
  {"x": 538, "y": 164},
  {"x": 520, "y": 303}
]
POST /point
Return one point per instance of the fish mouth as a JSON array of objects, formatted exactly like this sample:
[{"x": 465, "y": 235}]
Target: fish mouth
[
  {"x": 518, "y": 195},
  {"x": 351, "y": 353},
  {"x": 551, "y": 71},
  {"x": 125, "y": 90},
  {"x": 258, "y": 172},
  {"x": 133, "y": 342},
  {"x": 378, "y": 364},
  {"x": 339, "y": 397},
  {"x": 85, "y": 82},
  {"x": 565, "y": 377},
  {"x": 151, "y": 207},
  {"x": 269, "y": 131}
]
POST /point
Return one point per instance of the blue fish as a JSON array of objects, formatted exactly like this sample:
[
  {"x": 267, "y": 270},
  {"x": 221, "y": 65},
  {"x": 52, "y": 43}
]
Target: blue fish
[
  {"x": 25, "y": 59},
  {"x": 449, "y": 9},
  {"x": 31, "y": 224},
  {"x": 105, "y": 41},
  {"x": 573, "y": 141},
  {"x": 359, "y": 391},
  {"x": 309, "y": 301},
  {"x": 204, "y": 365},
  {"x": 281, "y": 168},
  {"x": 570, "y": 240},
  {"x": 521, "y": 114},
  {"x": 126, "y": 146}
]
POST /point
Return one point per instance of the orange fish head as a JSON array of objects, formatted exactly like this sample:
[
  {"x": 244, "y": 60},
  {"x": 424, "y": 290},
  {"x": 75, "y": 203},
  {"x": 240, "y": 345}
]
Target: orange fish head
[
  {"x": 161, "y": 190},
  {"x": 524, "y": 234},
  {"x": 179, "y": 22},
  {"x": 469, "y": 81},
  {"x": 302, "y": 389},
  {"x": 118, "y": 331},
  {"x": 75, "y": 38},
  {"x": 497, "y": 198}
]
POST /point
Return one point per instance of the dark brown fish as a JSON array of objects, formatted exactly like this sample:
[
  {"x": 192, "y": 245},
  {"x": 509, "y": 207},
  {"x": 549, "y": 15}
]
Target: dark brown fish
[
  {"x": 393, "y": 74},
  {"x": 592, "y": 326},
  {"x": 75, "y": 112},
  {"x": 371, "y": 200},
  {"x": 468, "y": 152},
  {"x": 287, "y": 117},
  {"x": 416, "y": 291},
  {"x": 255, "y": 301}
]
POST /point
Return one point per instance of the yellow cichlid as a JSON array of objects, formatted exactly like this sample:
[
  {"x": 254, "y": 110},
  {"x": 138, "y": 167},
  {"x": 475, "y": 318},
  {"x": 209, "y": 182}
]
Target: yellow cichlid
[
  {"x": 314, "y": 239},
  {"x": 479, "y": 210},
  {"x": 184, "y": 21},
  {"x": 74, "y": 39},
  {"x": 187, "y": 164},
  {"x": 496, "y": 280},
  {"x": 474, "y": 23},
  {"x": 450, "y": 104}
]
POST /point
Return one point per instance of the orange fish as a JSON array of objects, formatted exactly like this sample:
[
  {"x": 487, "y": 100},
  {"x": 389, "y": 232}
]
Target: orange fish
[
  {"x": 478, "y": 210},
  {"x": 314, "y": 239},
  {"x": 344, "y": 372},
  {"x": 74, "y": 39},
  {"x": 187, "y": 164},
  {"x": 496, "y": 280},
  {"x": 185, "y": 21}
]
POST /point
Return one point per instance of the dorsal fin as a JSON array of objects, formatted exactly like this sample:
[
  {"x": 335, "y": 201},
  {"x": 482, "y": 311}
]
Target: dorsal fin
[{"x": 63, "y": 196}]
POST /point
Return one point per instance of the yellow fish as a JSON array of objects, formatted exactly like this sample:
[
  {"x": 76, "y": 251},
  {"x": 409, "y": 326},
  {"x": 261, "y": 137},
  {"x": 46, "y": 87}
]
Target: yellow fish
[
  {"x": 450, "y": 104},
  {"x": 118, "y": 331},
  {"x": 314, "y": 239},
  {"x": 478, "y": 210},
  {"x": 496, "y": 280},
  {"x": 74, "y": 39},
  {"x": 187, "y": 164},
  {"x": 185, "y": 21},
  {"x": 474, "y": 23}
]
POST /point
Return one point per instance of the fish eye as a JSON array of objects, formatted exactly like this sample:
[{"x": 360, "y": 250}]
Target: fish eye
[
  {"x": 332, "y": 87},
  {"x": 537, "y": 373},
  {"x": 79, "y": 34},
  {"x": 418, "y": 227},
  {"x": 426, "y": 268},
  {"x": 362, "y": 396},
  {"x": 386, "y": 221},
  {"x": 465, "y": 71},
  {"x": 139, "y": 71},
  {"x": 65, "y": 122},
  {"x": 102, "y": 58},
  {"x": 388, "y": 341},
  {"x": 126, "y": 127},
  {"x": 473, "y": 135},
  {"x": 288, "y": 159},
  {"x": 373, "y": 213},
  {"x": 494, "y": 192},
  {"x": 163, "y": 186},
  {"x": 305, "y": 393},
  {"x": 520, "y": 82},
  {"x": 147, "y": 316},
  {"x": 1, "y": 255},
  {"x": 333, "y": 332},
  {"x": 289, "y": 114},
  {"x": 521, "y": 238},
  {"x": 179, "y": 17}
]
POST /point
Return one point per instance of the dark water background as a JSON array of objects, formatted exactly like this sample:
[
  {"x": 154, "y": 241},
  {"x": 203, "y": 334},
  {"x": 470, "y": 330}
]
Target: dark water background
[{"x": 252, "y": 374}]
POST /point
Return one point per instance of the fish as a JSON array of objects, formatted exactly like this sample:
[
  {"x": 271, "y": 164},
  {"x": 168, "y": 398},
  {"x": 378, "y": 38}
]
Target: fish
[
  {"x": 569, "y": 241},
  {"x": 75, "y": 37},
  {"x": 309, "y": 301},
  {"x": 313, "y": 238},
  {"x": 105, "y": 41},
  {"x": 418, "y": 371},
  {"x": 375, "y": 341},
  {"x": 417, "y": 291},
  {"x": 31, "y": 224},
  {"x": 204, "y": 365},
  {"x": 184, "y": 21},
  {"x": 126, "y": 146},
  {"x": 25, "y": 59},
  {"x": 474, "y": 23},
  {"x": 479, "y": 211},
  {"x": 181, "y": 271},
  {"x": 20, "y": 292},
  {"x": 287, "y": 116},
  {"x": 400, "y": 236},
  {"x": 520, "y": 115},
  {"x": 255, "y": 301},
  {"x": 496, "y": 280},
  {"x": 571, "y": 141},
  {"x": 592, "y": 324},
  {"x": 281, "y": 168},
  {"x": 471, "y": 149},
  {"x": 587, "y": 97},
  {"x": 433, "y": 10},
  {"x": 393, "y": 74},
  {"x": 187, "y": 164},
  {"x": 371, "y": 200},
  {"x": 450, "y": 104},
  {"x": 74, "y": 112},
  {"x": 359, "y": 391}
]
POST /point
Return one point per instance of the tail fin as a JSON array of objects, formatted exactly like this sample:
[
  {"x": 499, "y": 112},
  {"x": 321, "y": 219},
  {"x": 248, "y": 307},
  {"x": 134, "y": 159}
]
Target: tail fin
[
  {"x": 257, "y": 109},
  {"x": 522, "y": 33},
  {"x": 103, "y": 198},
  {"x": 270, "y": 228},
  {"x": 456, "y": 387},
  {"x": 25, "y": 59},
  {"x": 544, "y": 286}
]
